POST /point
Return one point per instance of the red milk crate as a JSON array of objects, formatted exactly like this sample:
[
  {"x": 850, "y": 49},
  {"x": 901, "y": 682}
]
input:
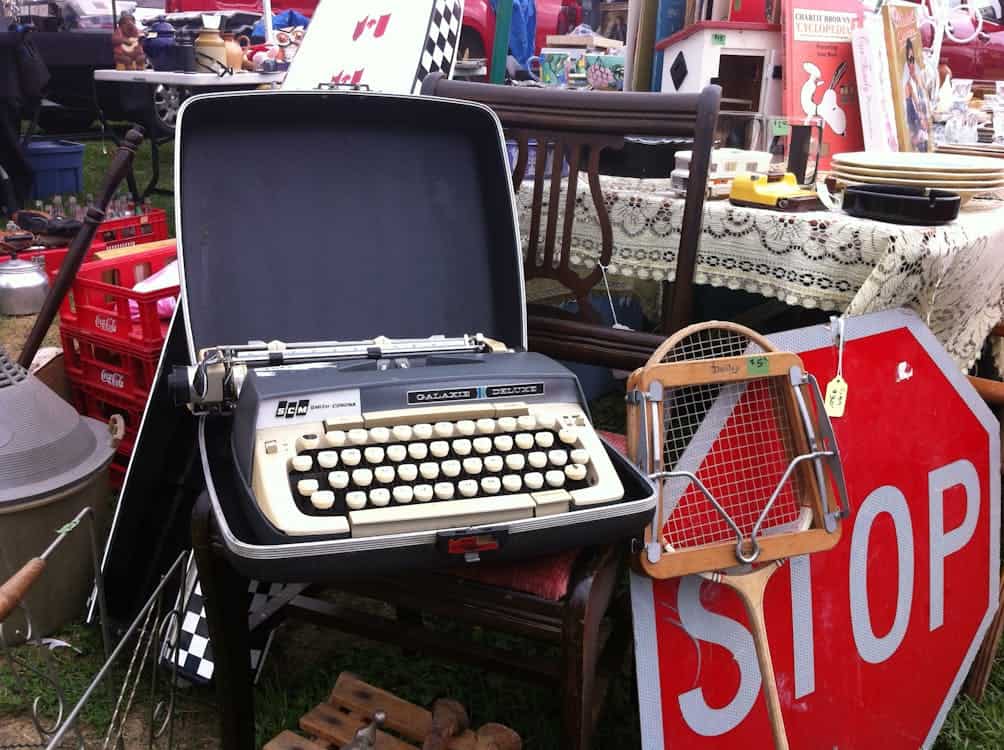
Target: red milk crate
[
  {"x": 99, "y": 303},
  {"x": 134, "y": 230},
  {"x": 101, "y": 406},
  {"x": 108, "y": 367}
]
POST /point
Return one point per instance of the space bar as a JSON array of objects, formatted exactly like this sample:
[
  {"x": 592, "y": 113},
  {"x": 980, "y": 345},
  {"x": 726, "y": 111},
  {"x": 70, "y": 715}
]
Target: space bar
[{"x": 444, "y": 514}]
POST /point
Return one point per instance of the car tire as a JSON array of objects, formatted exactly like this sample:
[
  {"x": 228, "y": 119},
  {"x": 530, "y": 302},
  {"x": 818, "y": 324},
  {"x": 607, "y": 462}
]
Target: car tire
[{"x": 165, "y": 102}]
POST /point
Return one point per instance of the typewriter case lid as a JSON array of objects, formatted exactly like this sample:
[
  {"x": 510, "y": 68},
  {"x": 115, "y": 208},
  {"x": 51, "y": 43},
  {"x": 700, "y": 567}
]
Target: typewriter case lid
[{"x": 340, "y": 215}]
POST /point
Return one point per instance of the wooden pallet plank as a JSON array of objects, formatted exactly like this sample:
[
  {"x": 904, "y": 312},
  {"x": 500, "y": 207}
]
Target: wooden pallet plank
[
  {"x": 403, "y": 717},
  {"x": 327, "y": 722},
  {"x": 290, "y": 741}
]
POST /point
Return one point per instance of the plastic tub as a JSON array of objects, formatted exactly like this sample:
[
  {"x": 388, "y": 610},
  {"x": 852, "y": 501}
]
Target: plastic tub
[{"x": 58, "y": 165}]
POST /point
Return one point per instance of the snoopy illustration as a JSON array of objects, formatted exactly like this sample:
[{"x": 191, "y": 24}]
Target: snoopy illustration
[{"x": 828, "y": 110}]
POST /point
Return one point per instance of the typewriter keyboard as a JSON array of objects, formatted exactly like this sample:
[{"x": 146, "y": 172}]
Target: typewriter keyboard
[{"x": 397, "y": 472}]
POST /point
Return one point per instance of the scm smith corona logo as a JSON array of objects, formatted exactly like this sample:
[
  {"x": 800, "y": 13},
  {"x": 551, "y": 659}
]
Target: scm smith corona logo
[{"x": 290, "y": 409}]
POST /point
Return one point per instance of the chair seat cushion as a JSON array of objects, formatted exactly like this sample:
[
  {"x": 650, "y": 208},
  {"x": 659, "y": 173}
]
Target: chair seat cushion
[{"x": 545, "y": 577}]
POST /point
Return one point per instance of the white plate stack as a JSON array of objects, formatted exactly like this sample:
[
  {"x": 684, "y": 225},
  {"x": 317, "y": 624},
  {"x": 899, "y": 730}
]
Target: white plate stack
[{"x": 968, "y": 176}]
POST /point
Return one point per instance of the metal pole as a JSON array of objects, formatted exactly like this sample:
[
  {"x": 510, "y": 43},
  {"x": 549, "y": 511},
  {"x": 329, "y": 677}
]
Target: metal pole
[
  {"x": 500, "y": 46},
  {"x": 266, "y": 17}
]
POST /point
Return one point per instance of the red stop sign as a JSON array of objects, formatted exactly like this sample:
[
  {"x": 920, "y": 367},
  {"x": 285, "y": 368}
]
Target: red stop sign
[{"x": 872, "y": 640}]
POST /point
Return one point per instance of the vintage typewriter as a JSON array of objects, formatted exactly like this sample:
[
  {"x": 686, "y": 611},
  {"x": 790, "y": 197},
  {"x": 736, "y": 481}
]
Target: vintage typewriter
[
  {"x": 372, "y": 438},
  {"x": 337, "y": 452}
]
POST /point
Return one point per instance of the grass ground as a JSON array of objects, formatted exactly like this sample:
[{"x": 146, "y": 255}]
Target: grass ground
[{"x": 305, "y": 660}]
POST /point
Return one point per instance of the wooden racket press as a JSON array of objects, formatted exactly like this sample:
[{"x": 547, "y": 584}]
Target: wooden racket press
[{"x": 734, "y": 434}]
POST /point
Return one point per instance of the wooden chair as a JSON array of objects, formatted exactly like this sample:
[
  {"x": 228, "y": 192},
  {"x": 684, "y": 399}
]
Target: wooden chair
[{"x": 574, "y": 127}]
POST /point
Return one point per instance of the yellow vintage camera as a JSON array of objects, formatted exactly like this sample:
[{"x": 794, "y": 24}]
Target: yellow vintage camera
[{"x": 781, "y": 193}]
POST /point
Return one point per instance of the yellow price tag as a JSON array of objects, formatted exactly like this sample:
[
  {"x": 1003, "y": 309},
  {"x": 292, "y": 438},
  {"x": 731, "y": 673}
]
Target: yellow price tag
[{"x": 836, "y": 397}]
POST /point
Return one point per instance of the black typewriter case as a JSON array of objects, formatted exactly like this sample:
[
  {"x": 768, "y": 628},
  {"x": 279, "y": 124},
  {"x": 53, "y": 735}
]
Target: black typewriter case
[{"x": 345, "y": 215}]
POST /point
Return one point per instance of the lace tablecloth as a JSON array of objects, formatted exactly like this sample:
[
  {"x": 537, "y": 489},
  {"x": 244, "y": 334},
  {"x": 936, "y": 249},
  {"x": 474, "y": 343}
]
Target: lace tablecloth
[{"x": 952, "y": 276}]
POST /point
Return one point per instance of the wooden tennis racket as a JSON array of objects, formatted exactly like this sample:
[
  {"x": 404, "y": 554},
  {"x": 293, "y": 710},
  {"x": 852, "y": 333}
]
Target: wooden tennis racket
[{"x": 746, "y": 467}]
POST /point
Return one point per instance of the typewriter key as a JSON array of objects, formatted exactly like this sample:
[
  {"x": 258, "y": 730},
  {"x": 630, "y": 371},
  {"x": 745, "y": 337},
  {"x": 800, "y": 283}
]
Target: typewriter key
[
  {"x": 323, "y": 499},
  {"x": 306, "y": 487},
  {"x": 503, "y": 443},
  {"x": 524, "y": 441},
  {"x": 512, "y": 483},
  {"x": 515, "y": 461},
  {"x": 355, "y": 500},
  {"x": 534, "y": 480},
  {"x": 494, "y": 464}
]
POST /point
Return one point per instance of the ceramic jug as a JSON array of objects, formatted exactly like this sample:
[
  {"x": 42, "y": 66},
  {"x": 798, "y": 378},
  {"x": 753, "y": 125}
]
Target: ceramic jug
[
  {"x": 235, "y": 50},
  {"x": 210, "y": 49},
  {"x": 161, "y": 49}
]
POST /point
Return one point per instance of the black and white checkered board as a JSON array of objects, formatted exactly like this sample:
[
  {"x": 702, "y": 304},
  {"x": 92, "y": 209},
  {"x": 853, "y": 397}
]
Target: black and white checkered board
[
  {"x": 441, "y": 44},
  {"x": 195, "y": 652}
]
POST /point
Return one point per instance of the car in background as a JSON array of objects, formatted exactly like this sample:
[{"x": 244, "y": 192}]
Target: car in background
[
  {"x": 553, "y": 17},
  {"x": 981, "y": 59},
  {"x": 76, "y": 100}
]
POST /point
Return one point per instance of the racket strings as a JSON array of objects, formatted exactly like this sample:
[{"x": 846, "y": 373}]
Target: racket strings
[
  {"x": 737, "y": 438},
  {"x": 711, "y": 343}
]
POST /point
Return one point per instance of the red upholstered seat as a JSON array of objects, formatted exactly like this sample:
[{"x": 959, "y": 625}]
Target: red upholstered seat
[{"x": 546, "y": 577}]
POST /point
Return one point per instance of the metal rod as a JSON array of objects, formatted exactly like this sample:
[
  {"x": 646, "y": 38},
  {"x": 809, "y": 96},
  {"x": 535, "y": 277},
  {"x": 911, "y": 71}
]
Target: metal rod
[
  {"x": 500, "y": 45},
  {"x": 75, "y": 713}
]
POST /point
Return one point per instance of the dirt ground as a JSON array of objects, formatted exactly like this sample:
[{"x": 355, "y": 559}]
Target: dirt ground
[{"x": 13, "y": 332}]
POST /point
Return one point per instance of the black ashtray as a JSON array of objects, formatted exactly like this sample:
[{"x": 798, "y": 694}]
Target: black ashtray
[{"x": 901, "y": 205}]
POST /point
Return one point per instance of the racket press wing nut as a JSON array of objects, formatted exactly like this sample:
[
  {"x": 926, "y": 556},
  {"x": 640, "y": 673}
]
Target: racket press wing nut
[{"x": 819, "y": 531}]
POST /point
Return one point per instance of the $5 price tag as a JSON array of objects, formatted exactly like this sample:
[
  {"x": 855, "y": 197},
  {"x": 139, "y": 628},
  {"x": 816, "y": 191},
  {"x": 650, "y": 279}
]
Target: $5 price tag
[{"x": 835, "y": 400}]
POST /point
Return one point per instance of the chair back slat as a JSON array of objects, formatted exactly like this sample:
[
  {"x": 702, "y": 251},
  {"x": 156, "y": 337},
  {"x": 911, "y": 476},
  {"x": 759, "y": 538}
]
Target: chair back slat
[{"x": 575, "y": 127}]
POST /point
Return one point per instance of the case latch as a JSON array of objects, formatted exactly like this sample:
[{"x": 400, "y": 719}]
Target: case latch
[{"x": 471, "y": 543}]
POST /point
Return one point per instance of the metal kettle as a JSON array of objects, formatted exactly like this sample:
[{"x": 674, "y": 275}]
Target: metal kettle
[{"x": 23, "y": 286}]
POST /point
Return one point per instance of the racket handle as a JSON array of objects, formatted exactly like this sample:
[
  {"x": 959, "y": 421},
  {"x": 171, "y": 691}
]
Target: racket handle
[
  {"x": 15, "y": 589},
  {"x": 751, "y": 587}
]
